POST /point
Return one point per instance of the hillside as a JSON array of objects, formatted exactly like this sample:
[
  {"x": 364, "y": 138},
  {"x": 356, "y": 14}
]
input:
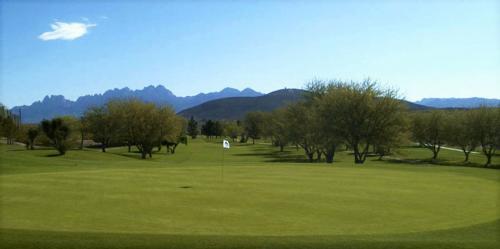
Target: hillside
[
  {"x": 58, "y": 105},
  {"x": 236, "y": 108}
]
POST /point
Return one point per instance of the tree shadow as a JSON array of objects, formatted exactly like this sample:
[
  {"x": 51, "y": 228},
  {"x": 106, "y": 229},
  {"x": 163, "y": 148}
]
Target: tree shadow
[
  {"x": 53, "y": 155},
  {"x": 438, "y": 162},
  {"x": 275, "y": 156}
]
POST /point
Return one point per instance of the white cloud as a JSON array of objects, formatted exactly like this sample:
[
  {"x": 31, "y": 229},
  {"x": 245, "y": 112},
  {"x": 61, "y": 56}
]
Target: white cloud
[{"x": 66, "y": 31}]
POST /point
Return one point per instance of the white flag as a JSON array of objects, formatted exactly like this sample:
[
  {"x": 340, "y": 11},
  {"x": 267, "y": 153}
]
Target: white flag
[{"x": 225, "y": 144}]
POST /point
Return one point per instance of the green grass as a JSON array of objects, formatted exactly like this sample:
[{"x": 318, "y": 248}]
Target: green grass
[{"x": 260, "y": 199}]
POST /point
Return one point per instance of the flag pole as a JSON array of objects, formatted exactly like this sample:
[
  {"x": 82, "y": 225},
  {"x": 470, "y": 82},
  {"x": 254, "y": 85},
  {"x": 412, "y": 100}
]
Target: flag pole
[{"x": 222, "y": 166}]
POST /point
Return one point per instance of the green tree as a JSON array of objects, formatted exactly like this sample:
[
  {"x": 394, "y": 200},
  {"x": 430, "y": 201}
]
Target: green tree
[
  {"x": 32, "y": 135},
  {"x": 9, "y": 124},
  {"x": 428, "y": 129},
  {"x": 192, "y": 128},
  {"x": 232, "y": 130},
  {"x": 208, "y": 129},
  {"x": 58, "y": 132},
  {"x": 459, "y": 130},
  {"x": 218, "y": 129},
  {"x": 301, "y": 130},
  {"x": 174, "y": 132},
  {"x": 102, "y": 125},
  {"x": 486, "y": 123},
  {"x": 145, "y": 128},
  {"x": 275, "y": 127},
  {"x": 253, "y": 125},
  {"x": 360, "y": 114},
  {"x": 122, "y": 110}
]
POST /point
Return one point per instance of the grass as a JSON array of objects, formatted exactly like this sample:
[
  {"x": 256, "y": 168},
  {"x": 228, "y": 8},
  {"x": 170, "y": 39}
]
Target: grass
[{"x": 261, "y": 198}]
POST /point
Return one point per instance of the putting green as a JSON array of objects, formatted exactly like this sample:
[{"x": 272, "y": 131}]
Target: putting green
[{"x": 255, "y": 198}]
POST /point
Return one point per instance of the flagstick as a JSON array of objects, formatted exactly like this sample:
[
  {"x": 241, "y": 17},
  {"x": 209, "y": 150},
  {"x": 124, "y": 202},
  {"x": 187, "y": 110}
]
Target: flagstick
[{"x": 222, "y": 168}]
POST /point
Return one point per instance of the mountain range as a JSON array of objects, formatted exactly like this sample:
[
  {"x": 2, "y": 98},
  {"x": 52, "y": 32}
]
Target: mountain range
[
  {"x": 58, "y": 105},
  {"x": 229, "y": 103},
  {"x": 458, "y": 102}
]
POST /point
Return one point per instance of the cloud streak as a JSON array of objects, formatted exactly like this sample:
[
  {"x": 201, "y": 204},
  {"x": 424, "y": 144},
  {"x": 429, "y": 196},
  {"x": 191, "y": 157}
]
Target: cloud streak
[{"x": 66, "y": 31}]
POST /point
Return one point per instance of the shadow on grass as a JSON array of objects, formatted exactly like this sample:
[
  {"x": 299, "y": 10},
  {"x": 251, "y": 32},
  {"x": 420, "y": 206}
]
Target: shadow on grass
[
  {"x": 275, "y": 156},
  {"x": 54, "y": 155},
  {"x": 439, "y": 162},
  {"x": 482, "y": 236}
]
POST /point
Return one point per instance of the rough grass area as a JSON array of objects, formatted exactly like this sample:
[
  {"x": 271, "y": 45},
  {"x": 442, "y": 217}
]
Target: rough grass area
[{"x": 260, "y": 198}]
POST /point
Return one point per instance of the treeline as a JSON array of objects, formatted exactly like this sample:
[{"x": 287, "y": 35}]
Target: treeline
[
  {"x": 358, "y": 115},
  {"x": 9, "y": 124},
  {"x": 468, "y": 130},
  {"x": 119, "y": 122},
  {"x": 366, "y": 119},
  {"x": 217, "y": 128}
]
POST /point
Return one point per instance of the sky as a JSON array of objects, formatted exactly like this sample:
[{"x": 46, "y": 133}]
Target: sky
[{"x": 422, "y": 48}]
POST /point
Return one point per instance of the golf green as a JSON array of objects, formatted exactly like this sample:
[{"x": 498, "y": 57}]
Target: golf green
[{"x": 254, "y": 192}]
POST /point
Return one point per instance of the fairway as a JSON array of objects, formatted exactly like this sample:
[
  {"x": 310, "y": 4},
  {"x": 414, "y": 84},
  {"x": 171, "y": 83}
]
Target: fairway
[{"x": 259, "y": 197}]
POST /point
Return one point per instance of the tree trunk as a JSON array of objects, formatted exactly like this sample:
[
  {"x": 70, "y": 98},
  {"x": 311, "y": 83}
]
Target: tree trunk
[
  {"x": 357, "y": 155},
  {"x": 173, "y": 148},
  {"x": 253, "y": 140},
  {"x": 143, "y": 154},
  {"x": 281, "y": 148},
  {"x": 129, "y": 146},
  {"x": 488, "y": 153},
  {"x": 81, "y": 143},
  {"x": 466, "y": 156},
  {"x": 329, "y": 155},
  {"x": 103, "y": 147},
  {"x": 310, "y": 156},
  {"x": 435, "y": 152},
  {"x": 488, "y": 162},
  {"x": 318, "y": 155}
]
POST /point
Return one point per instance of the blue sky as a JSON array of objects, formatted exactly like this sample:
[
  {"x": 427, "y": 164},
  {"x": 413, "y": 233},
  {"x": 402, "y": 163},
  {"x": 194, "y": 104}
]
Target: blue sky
[{"x": 423, "y": 48}]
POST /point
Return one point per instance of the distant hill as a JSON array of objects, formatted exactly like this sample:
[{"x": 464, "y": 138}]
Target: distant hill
[
  {"x": 57, "y": 105},
  {"x": 235, "y": 108},
  {"x": 458, "y": 102}
]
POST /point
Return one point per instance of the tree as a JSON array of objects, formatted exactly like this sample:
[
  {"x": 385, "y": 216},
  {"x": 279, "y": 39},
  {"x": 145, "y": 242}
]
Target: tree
[
  {"x": 58, "y": 132},
  {"x": 176, "y": 133},
  {"x": 428, "y": 130},
  {"x": 459, "y": 130},
  {"x": 218, "y": 129},
  {"x": 232, "y": 130},
  {"x": 122, "y": 111},
  {"x": 145, "y": 128},
  {"x": 360, "y": 113},
  {"x": 208, "y": 129},
  {"x": 275, "y": 127},
  {"x": 319, "y": 105},
  {"x": 486, "y": 123},
  {"x": 8, "y": 126},
  {"x": 192, "y": 128},
  {"x": 84, "y": 129},
  {"x": 300, "y": 129},
  {"x": 169, "y": 124},
  {"x": 253, "y": 125},
  {"x": 32, "y": 134},
  {"x": 101, "y": 125}
]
